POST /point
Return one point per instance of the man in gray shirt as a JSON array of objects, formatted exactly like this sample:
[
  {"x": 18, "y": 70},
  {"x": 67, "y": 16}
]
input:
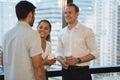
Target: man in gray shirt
[{"x": 22, "y": 47}]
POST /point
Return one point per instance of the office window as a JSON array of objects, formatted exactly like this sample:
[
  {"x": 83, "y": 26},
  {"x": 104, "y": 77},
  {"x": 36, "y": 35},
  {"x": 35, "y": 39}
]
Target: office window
[{"x": 101, "y": 16}]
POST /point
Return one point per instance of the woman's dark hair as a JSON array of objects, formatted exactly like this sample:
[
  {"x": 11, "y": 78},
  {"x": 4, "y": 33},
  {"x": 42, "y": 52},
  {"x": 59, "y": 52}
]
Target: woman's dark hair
[
  {"x": 23, "y": 8},
  {"x": 76, "y": 7},
  {"x": 48, "y": 37}
]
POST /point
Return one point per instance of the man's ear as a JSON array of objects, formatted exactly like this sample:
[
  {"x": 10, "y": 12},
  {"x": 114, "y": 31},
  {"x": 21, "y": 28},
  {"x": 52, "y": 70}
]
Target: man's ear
[{"x": 29, "y": 14}]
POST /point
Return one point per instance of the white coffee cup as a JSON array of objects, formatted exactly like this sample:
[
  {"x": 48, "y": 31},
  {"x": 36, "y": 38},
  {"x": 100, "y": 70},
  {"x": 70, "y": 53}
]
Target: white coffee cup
[{"x": 51, "y": 56}]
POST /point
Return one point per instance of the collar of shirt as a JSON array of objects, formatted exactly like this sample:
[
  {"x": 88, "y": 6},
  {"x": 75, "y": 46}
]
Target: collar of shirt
[
  {"x": 23, "y": 24},
  {"x": 76, "y": 27}
]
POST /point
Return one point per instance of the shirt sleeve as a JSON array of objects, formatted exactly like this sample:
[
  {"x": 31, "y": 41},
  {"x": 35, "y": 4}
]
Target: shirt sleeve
[
  {"x": 59, "y": 49},
  {"x": 91, "y": 43},
  {"x": 35, "y": 44}
]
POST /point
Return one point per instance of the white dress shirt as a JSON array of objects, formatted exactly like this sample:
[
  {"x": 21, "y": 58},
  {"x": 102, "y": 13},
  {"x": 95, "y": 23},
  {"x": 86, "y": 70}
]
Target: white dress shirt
[
  {"x": 77, "y": 42},
  {"x": 19, "y": 45}
]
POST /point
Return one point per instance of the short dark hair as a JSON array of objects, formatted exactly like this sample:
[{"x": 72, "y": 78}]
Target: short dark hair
[
  {"x": 76, "y": 7},
  {"x": 23, "y": 8}
]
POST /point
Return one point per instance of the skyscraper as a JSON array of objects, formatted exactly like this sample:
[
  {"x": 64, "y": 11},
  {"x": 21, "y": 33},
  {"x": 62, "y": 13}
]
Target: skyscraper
[{"x": 106, "y": 34}]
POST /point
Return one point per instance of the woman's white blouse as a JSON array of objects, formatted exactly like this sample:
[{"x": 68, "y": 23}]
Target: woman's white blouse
[{"x": 48, "y": 51}]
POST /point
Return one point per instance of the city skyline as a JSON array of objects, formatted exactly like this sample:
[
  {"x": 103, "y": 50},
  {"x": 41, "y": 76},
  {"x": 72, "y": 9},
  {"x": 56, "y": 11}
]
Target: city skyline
[{"x": 102, "y": 16}]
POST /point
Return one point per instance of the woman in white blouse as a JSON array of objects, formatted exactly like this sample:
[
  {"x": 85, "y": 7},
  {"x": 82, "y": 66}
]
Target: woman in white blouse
[{"x": 44, "y": 29}]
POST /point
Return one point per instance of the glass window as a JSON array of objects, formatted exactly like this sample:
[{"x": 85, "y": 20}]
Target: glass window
[{"x": 101, "y": 16}]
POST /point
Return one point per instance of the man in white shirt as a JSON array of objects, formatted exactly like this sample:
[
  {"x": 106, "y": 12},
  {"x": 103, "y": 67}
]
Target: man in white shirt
[
  {"x": 76, "y": 47},
  {"x": 22, "y": 47}
]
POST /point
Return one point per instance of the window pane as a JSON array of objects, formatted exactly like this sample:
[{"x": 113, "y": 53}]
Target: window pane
[
  {"x": 100, "y": 15},
  {"x": 106, "y": 76},
  {"x": 103, "y": 17}
]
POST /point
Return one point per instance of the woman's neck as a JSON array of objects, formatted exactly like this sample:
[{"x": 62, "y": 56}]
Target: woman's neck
[{"x": 43, "y": 40}]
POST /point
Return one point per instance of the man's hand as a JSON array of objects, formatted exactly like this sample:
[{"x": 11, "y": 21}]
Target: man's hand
[
  {"x": 71, "y": 60},
  {"x": 63, "y": 62}
]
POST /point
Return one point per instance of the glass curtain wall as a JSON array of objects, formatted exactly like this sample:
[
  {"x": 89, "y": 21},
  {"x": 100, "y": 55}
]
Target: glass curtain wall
[{"x": 103, "y": 16}]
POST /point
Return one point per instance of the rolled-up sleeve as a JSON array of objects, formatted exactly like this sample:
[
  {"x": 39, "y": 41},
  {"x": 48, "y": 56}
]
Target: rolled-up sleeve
[{"x": 91, "y": 43}]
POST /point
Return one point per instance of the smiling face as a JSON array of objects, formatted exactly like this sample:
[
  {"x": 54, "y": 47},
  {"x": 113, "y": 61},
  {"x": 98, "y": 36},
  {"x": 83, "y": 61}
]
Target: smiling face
[
  {"x": 71, "y": 15},
  {"x": 44, "y": 29}
]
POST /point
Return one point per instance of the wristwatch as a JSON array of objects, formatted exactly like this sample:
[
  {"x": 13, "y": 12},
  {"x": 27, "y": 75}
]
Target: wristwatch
[{"x": 79, "y": 60}]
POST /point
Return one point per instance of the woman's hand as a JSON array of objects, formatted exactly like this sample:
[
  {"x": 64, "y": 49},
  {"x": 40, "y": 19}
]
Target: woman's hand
[{"x": 49, "y": 61}]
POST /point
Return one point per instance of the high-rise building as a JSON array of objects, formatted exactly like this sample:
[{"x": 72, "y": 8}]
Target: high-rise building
[
  {"x": 106, "y": 34},
  {"x": 101, "y": 16},
  {"x": 118, "y": 33},
  {"x": 106, "y": 30}
]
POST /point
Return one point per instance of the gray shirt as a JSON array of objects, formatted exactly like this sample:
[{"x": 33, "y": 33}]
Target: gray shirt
[{"x": 19, "y": 45}]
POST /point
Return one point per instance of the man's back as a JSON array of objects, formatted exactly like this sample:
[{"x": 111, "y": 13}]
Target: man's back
[{"x": 17, "y": 52}]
